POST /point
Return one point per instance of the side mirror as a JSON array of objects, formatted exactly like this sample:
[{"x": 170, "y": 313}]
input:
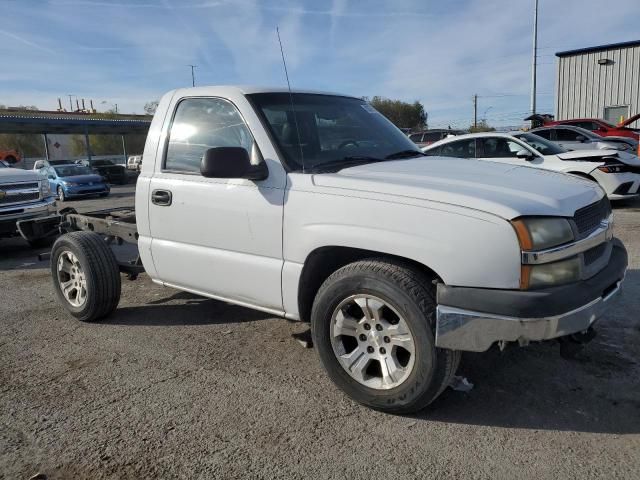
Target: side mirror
[
  {"x": 524, "y": 154},
  {"x": 581, "y": 139},
  {"x": 231, "y": 162}
]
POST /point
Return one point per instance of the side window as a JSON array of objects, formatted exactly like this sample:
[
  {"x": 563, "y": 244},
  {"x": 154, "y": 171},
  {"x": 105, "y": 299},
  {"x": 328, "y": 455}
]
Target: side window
[
  {"x": 497, "y": 147},
  {"x": 564, "y": 134},
  {"x": 415, "y": 137},
  {"x": 543, "y": 133},
  {"x": 434, "y": 152},
  {"x": 200, "y": 124},
  {"x": 432, "y": 137},
  {"x": 460, "y": 149}
]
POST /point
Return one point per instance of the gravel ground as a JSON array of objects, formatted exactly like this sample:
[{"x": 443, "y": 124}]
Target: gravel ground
[{"x": 177, "y": 386}]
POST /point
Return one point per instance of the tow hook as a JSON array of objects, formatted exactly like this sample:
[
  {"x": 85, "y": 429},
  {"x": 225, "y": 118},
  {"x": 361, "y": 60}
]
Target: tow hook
[{"x": 572, "y": 345}]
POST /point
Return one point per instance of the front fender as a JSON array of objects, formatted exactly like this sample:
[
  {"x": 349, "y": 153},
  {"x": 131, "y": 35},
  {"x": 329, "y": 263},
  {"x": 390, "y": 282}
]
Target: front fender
[{"x": 464, "y": 247}]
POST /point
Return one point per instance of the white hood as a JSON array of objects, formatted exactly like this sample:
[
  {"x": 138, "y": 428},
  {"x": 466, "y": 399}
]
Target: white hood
[
  {"x": 8, "y": 175},
  {"x": 505, "y": 190}
]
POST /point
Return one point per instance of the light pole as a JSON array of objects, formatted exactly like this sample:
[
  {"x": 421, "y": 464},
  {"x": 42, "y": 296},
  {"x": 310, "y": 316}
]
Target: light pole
[
  {"x": 534, "y": 60},
  {"x": 70, "y": 102}
]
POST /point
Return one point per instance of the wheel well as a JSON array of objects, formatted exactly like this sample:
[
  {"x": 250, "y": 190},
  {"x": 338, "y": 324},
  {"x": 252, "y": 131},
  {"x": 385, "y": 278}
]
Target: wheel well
[{"x": 322, "y": 262}]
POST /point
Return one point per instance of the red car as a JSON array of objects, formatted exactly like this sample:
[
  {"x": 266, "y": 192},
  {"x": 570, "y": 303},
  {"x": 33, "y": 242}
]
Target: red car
[{"x": 603, "y": 128}]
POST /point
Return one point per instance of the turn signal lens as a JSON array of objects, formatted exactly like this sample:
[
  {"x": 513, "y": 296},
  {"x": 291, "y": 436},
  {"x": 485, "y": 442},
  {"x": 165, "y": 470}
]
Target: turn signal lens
[{"x": 611, "y": 168}]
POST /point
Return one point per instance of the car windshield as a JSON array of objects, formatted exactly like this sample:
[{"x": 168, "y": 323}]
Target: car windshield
[
  {"x": 72, "y": 170},
  {"x": 102, "y": 163},
  {"x": 542, "y": 145},
  {"x": 328, "y": 133},
  {"x": 3, "y": 165}
]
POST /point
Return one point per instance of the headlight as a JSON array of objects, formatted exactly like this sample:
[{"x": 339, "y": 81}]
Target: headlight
[
  {"x": 616, "y": 168},
  {"x": 45, "y": 190},
  {"x": 71, "y": 184},
  {"x": 550, "y": 274},
  {"x": 539, "y": 233}
]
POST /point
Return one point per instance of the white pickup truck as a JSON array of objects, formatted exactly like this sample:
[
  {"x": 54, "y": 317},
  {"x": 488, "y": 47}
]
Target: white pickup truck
[
  {"x": 24, "y": 195},
  {"x": 314, "y": 207}
]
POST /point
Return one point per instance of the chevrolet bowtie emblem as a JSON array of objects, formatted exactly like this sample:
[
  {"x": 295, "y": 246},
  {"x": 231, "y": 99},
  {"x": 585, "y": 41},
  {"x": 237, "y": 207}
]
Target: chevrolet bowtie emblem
[{"x": 2, "y": 194}]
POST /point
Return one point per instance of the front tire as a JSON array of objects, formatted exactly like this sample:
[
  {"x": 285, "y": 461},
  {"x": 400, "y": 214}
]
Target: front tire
[
  {"x": 61, "y": 195},
  {"x": 86, "y": 277},
  {"x": 373, "y": 324}
]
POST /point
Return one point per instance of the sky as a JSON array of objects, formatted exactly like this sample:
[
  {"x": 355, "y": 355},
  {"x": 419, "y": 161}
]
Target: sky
[{"x": 441, "y": 53}]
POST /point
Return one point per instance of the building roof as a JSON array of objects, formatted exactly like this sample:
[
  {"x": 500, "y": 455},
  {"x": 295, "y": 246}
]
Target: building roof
[
  {"x": 598, "y": 48},
  {"x": 69, "y": 123}
]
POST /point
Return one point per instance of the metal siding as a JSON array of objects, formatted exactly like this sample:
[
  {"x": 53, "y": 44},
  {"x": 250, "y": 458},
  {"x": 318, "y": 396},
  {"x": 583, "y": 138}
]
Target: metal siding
[{"x": 584, "y": 88}]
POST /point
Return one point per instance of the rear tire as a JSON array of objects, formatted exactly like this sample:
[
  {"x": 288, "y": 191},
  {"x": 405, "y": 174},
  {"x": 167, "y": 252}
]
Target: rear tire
[
  {"x": 85, "y": 275},
  {"x": 403, "y": 299}
]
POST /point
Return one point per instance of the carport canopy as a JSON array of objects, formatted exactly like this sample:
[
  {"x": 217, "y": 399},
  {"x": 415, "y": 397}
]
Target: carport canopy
[
  {"x": 43, "y": 123},
  {"x": 65, "y": 123}
]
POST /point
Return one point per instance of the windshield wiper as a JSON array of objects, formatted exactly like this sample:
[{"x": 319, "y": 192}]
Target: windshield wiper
[
  {"x": 405, "y": 154},
  {"x": 344, "y": 162}
]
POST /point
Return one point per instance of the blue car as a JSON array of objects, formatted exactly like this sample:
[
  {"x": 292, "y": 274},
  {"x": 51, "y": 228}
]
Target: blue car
[{"x": 73, "y": 181}]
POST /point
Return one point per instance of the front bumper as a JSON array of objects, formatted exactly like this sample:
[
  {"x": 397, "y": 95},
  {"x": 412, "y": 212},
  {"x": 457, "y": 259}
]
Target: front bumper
[
  {"x": 11, "y": 214},
  {"x": 86, "y": 190},
  {"x": 472, "y": 319}
]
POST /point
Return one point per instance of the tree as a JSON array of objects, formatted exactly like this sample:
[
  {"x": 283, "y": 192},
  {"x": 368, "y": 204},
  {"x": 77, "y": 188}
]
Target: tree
[
  {"x": 150, "y": 107},
  {"x": 30, "y": 145},
  {"x": 482, "y": 126},
  {"x": 107, "y": 144},
  {"x": 401, "y": 114}
]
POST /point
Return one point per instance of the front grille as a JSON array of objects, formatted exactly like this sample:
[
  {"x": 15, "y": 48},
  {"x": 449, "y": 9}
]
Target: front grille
[
  {"x": 588, "y": 218},
  {"x": 19, "y": 197},
  {"x": 18, "y": 186},
  {"x": 594, "y": 253}
]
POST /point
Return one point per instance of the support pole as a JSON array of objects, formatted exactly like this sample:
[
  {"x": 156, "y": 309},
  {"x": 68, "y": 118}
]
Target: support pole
[
  {"x": 46, "y": 146},
  {"x": 124, "y": 150},
  {"x": 87, "y": 144},
  {"x": 475, "y": 111},
  {"x": 534, "y": 60}
]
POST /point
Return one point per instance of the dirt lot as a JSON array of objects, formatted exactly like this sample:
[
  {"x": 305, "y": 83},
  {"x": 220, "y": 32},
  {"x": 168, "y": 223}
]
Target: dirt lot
[{"x": 174, "y": 385}]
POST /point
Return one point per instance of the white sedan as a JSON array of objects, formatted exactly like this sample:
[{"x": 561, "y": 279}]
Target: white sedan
[{"x": 618, "y": 173}]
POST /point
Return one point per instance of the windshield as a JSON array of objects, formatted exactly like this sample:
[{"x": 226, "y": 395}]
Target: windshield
[
  {"x": 330, "y": 132},
  {"x": 542, "y": 145},
  {"x": 102, "y": 163},
  {"x": 72, "y": 170},
  {"x": 3, "y": 165}
]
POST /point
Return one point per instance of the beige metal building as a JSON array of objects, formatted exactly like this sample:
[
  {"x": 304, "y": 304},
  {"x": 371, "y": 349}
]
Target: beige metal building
[{"x": 599, "y": 82}]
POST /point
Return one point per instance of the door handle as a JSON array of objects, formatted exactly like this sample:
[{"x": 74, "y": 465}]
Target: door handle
[{"x": 161, "y": 198}]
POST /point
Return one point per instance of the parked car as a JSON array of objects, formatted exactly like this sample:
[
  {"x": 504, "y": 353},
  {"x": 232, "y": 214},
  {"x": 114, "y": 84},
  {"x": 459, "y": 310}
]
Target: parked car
[
  {"x": 134, "y": 162},
  {"x": 618, "y": 173},
  {"x": 602, "y": 127},
  {"x": 24, "y": 195},
  {"x": 427, "y": 137},
  {"x": 110, "y": 170},
  {"x": 38, "y": 164},
  {"x": 73, "y": 181},
  {"x": 576, "y": 138},
  {"x": 399, "y": 262}
]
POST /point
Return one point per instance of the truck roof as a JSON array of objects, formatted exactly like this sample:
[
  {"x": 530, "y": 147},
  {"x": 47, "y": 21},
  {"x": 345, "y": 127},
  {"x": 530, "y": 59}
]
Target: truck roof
[{"x": 225, "y": 90}]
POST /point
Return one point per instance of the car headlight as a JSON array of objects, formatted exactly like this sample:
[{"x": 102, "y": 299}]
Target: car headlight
[
  {"x": 70, "y": 184},
  {"x": 45, "y": 189},
  {"x": 613, "y": 168},
  {"x": 539, "y": 233},
  {"x": 550, "y": 274}
]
